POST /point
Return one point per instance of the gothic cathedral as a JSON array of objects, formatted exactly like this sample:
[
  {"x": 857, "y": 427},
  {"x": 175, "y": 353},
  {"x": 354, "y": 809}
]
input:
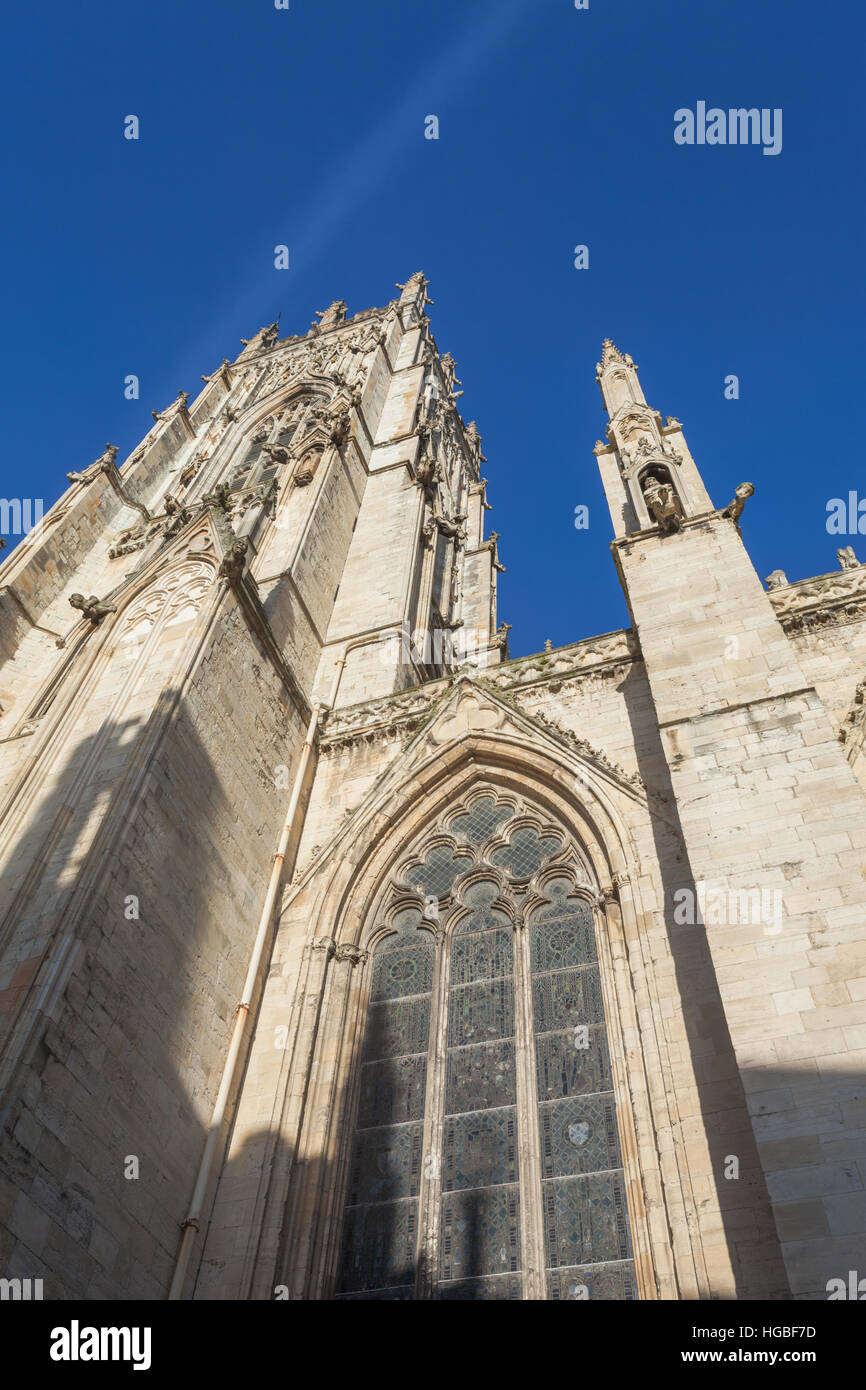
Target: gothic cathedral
[{"x": 344, "y": 957}]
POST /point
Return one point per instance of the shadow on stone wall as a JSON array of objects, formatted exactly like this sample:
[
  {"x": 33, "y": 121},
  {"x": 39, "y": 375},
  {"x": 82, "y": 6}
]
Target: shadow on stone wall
[
  {"x": 125, "y": 1068},
  {"x": 743, "y": 1204}
]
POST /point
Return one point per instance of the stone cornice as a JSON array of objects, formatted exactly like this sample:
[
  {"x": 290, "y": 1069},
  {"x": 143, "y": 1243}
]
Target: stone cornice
[
  {"x": 823, "y": 601},
  {"x": 592, "y": 654},
  {"x": 687, "y": 523},
  {"x": 388, "y": 717},
  {"x": 402, "y": 713},
  {"x": 244, "y": 358}
]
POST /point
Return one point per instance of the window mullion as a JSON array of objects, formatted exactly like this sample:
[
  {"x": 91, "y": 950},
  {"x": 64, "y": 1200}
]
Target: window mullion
[
  {"x": 531, "y": 1219},
  {"x": 430, "y": 1195}
]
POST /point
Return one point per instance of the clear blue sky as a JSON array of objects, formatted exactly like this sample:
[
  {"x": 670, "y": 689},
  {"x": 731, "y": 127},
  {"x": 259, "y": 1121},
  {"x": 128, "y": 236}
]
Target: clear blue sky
[{"x": 306, "y": 127}]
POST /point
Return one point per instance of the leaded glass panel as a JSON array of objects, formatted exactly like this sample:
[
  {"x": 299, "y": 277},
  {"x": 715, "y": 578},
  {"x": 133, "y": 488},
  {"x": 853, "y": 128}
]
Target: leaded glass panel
[
  {"x": 596, "y": 1283},
  {"x": 386, "y": 1164},
  {"x": 439, "y": 870},
  {"x": 480, "y": 1232},
  {"x": 567, "y": 997},
  {"x": 397, "y": 1027},
  {"x": 398, "y": 973},
  {"x": 480, "y": 897},
  {"x": 526, "y": 852},
  {"x": 482, "y": 955},
  {"x": 379, "y": 1244},
  {"x": 565, "y": 1070},
  {"x": 482, "y": 821},
  {"x": 502, "y": 1287},
  {"x": 480, "y": 1149},
  {"x": 585, "y": 1217},
  {"x": 480, "y": 1076},
  {"x": 475, "y": 1175},
  {"x": 380, "y": 1233},
  {"x": 392, "y": 1090},
  {"x": 585, "y": 1213},
  {"x": 480, "y": 1012},
  {"x": 563, "y": 941},
  {"x": 578, "y": 1136}
]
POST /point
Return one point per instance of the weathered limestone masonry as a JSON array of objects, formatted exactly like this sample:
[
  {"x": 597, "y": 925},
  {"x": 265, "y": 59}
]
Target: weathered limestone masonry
[
  {"x": 767, "y": 801},
  {"x": 487, "y": 1056},
  {"x": 164, "y": 635},
  {"x": 577, "y": 728}
]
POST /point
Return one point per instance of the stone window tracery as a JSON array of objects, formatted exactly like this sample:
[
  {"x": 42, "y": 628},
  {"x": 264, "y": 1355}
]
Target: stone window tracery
[{"x": 486, "y": 1140}]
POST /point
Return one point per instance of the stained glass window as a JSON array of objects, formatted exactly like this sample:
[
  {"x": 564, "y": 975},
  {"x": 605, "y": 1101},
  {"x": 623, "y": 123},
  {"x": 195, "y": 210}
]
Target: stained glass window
[
  {"x": 480, "y": 1231},
  {"x": 466, "y": 1164},
  {"x": 482, "y": 821},
  {"x": 583, "y": 1190},
  {"x": 526, "y": 852},
  {"x": 381, "y": 1223},
  {"x": 439, "y": 870}
]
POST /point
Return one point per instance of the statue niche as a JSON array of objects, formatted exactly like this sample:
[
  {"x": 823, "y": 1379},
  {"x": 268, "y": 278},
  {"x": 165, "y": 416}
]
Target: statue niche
[
  {"x": 662, "y": 500},
  {"x": 306, "y": 469}
]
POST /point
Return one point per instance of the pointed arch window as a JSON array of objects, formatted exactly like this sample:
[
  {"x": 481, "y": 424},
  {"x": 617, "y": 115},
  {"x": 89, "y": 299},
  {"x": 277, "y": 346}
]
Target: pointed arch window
[{"x": 485, "y": 1159}]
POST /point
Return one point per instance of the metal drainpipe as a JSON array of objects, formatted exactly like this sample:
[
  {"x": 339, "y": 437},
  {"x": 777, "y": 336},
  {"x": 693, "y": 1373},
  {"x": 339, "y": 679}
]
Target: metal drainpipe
[{"x": 192, "y": 1223}]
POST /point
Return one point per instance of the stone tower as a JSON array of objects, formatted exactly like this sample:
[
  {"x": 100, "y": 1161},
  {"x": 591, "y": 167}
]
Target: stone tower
[
  {"x": 342, "y": 956},
  {"x": 166, "y": 635},
  {"x": 771, "y": 812}
]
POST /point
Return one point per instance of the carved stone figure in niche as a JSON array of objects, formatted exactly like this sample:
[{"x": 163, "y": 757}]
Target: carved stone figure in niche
[
  {"x": 307, "y": 468},
  {"x": 92, "y": 607},
  {"x": 267, "y": 493},
  {"x": 277, "y": 453},
  {"x": 734, "y": 509},
  {"x": 189, "y": 472},
  {"x": 662, "y": 503},
  {"x": 855, "y": 720},
  {"x": 134, "y": 538},
  {"x": 171, "y": 505},
  {"x": 331, "y": 317},
  {"x": 429, "y": 398},
  {"x": 219, "y": 497},
  {"x": 449, "y": 371},
  {"x": 473, "y": 439},
  {"x": 427, "y": 470},
  {"x": 777, "y": 580},
  {"x": 340, "y": 423},
  {"x": 847, "y": 559},
  {"x": 232, "y": 564},
  {"x": 435, "y": 421}
]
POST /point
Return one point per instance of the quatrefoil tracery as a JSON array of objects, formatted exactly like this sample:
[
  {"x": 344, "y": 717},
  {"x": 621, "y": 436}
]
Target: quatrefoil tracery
[{"x": 492, "y": 847}]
